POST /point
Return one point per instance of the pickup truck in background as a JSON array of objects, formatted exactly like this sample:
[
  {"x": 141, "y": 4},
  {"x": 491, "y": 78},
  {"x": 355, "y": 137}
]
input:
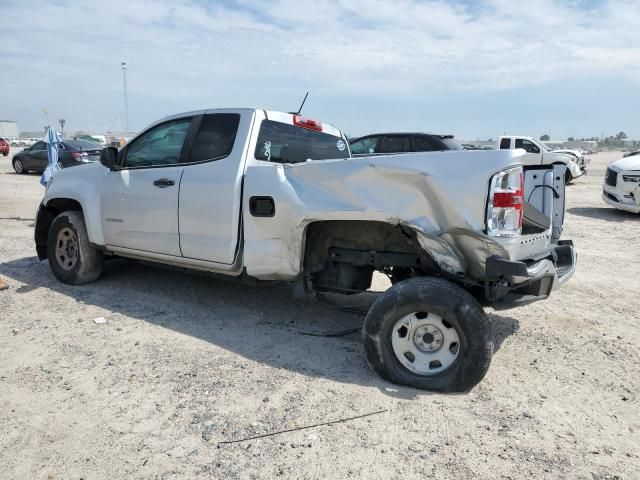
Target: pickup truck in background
[
  {"x": 270, "y": 196},
  {"x": 537, "y": 153}
]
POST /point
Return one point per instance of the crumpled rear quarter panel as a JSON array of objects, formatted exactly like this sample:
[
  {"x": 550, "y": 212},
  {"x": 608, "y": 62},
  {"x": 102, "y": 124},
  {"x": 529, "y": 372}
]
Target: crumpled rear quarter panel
[{"x": 441, "y": 195}]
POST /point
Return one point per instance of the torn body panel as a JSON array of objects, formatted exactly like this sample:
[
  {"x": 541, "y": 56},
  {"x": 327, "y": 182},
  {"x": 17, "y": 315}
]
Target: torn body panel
[{"x": 441, "y": 196}]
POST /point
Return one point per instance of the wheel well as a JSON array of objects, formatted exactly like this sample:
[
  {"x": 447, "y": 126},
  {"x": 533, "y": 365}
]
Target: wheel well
[
  {"x": 567, "y": 173},
  {"x": 341, "y": 255},
  {"x": 46, "y": 214}
]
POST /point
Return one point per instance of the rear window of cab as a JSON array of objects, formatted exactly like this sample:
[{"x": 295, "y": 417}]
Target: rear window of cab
[{"x": 283, "y": 143}]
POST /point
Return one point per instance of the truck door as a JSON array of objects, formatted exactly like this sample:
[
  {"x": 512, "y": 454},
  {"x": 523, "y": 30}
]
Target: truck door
[
  {"x": 533, "y": 155},
  {"x": 211, "y": 187},
  {"x": 139, "y": 201}
]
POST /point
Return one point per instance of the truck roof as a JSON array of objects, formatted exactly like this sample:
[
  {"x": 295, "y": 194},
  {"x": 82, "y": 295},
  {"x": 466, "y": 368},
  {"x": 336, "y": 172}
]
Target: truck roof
[{"x": 283, "y": 117}]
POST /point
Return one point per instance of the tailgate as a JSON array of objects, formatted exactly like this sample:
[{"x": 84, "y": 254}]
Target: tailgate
[
  {"x": 544, "y": 197},
  {"x": 542, "y": 223}
]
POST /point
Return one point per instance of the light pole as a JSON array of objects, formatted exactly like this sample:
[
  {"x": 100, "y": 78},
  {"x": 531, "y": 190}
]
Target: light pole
[
  {"x": 62, "y": 122},
  {"x": 126, "y": 101}
]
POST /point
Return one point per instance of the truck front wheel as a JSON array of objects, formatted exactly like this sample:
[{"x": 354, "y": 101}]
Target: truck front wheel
[
  {"x": 430, "y": 334},
  {"x": 72, "y": 258}
]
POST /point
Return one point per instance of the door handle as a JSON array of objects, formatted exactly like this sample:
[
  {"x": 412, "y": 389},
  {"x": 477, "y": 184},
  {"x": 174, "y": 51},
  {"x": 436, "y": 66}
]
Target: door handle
[{"x": 164, "y": 183}]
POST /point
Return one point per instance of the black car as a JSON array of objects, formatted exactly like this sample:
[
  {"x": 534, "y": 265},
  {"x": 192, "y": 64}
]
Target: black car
[
  {"x": 70, "y": 154},
  {"x": 385, "y": 143}
]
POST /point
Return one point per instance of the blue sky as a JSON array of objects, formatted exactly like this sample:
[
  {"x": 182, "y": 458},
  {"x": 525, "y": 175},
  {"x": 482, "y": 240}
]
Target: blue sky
[{"x": 476, "y": 69}]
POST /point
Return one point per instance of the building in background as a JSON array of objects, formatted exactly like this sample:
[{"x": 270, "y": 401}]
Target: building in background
[{"x": 8, "y": 129}]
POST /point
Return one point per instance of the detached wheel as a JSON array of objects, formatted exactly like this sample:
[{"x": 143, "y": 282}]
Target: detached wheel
[
  {"x": 72, "y": 258},
  {"x": 18, "y": 166},
  {"x": 430, "y": 334}
]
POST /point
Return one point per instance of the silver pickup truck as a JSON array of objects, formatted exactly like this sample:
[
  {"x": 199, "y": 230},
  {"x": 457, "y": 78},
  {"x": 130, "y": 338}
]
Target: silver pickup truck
[{"x": 255, "y": 194}]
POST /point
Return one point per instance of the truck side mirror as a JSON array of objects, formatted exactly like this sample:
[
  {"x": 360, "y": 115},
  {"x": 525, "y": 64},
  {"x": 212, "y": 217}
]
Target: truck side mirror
[{"x": 108, "y": 157}]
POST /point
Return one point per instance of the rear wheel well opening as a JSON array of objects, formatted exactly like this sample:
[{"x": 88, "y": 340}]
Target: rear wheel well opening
[
  {"x": 567, "y": 173},
  {"x": 341, "y": 255},
  {"x": 46, "y": 214}
]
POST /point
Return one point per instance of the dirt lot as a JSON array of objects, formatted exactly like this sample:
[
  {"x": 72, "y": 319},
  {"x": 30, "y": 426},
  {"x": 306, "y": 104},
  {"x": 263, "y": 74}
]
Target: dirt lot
[{"x": 185, "y": 361}]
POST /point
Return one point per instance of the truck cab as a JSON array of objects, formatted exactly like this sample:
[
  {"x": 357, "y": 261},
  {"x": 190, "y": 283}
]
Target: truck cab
[{"x": 537, "y": 153}]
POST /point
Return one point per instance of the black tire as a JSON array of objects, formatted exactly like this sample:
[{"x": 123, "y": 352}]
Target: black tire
[
  {"x": 84, "y": 263},
  {"x": 567, "y": 173},
  {"x": 452, "y": 303},
  {"x": 6, "y": 154},
  {"x": 18, "y": 166}
]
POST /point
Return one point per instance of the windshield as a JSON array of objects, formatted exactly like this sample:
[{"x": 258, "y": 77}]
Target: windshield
[{"x": 284, "y": 143}]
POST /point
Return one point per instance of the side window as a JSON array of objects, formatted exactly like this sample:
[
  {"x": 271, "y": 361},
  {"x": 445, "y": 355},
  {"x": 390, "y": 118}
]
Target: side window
[
  {"x": 365, "y": 146},
  {"x": 422, "y": 144},
  {"x": 392, "y": 144},
  {"x": 505, "y": 144},
  {"x": 39, "y": 146},
  {"x": 216, "y": 137},
  {"x": 160, "y": 146},
  {"x": 527, "y": 145}
]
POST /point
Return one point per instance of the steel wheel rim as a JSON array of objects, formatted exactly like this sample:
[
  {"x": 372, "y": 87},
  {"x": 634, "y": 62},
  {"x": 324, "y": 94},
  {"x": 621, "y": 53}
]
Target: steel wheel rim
[
  {"x": 424, "y": 343},
  {"x": 18, "y": 166},
  {"x": 67, "y": 248}
]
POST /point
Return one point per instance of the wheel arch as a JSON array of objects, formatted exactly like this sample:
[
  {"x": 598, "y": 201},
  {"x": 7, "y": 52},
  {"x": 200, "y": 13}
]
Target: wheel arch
[
  {"x": 366, "y": 236},
  {"x": 568, "y": 174},
  {"x": 46, "y": 213}
]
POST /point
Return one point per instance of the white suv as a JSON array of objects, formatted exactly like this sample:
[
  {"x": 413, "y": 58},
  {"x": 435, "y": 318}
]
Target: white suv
[{"x": 621, "y": 187}]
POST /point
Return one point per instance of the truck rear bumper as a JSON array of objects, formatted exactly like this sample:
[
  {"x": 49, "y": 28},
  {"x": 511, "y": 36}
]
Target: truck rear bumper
[{"x": 513, "y": 284}]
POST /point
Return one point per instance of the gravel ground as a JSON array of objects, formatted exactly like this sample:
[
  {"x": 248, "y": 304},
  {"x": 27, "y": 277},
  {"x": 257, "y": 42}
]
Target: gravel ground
[{"x": 184, "y": 362}]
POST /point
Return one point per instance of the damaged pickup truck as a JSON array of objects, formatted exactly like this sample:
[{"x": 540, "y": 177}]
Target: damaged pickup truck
[{"x": 271, "y": 196}]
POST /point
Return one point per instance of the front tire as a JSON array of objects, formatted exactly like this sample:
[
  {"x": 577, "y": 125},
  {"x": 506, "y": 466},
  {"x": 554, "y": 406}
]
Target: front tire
[
  {"x": 72, "y": 258},
  {"x": 18, "y": 166},
  {"x": 430, "y": 334},
  {"x": 567, "y": 177}
]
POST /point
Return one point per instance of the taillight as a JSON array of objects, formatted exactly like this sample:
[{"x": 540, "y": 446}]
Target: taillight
[
  {"x": 78, "y": 154},
  {"x": 506, "y": 203},
  {"x": 307, "y": 123}
]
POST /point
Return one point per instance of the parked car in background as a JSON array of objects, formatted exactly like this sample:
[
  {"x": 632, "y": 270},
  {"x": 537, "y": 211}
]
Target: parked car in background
[
  {"x": 4, "y": 146},
  {"x": 70, "y": 154},
  {"x": 27, "y": 142},
  {"x": 385, "y": 143},
  {"x": 631, "y": 154},
  {"x": 539, "y": 154},
  {"x": 621, "y": 187}
]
